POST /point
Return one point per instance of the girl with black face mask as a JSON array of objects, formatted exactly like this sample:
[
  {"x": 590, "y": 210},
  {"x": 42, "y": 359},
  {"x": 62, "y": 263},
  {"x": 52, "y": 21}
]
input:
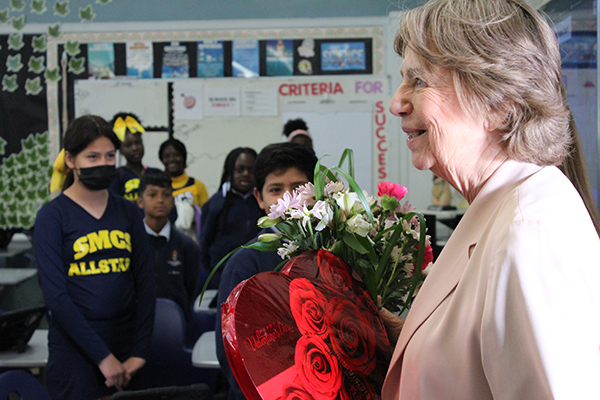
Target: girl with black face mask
[{"x": 95, "y": 273}]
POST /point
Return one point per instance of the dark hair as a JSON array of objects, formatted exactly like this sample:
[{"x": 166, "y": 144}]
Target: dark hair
[
  {"x": 177, "y": 145},
  {"x": 125, "y": 115},
  {"x": 281, "y": 157},
  {"x": 84, "y": 130},
  {"x": 230, "y": 160},
  {"x": 157, "y": 178},
  {"x": 294, "y": 124},
  {"x": 80, "y": 133}
]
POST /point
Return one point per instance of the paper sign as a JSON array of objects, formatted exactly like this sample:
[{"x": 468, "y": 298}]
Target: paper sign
[
  {"x": 260, "y": 102},
  {"x": 175, "y": 61},
  {"x": 140, "y": 59},
  {"x": 245, "y": 58},
  {"x": 280, "y": 58},
  {"x": 187, "y": 100},
  {"x": 210, "y": 59},
  {"x": 101, "y": 58},
  {"x": 222, "y": 102}
]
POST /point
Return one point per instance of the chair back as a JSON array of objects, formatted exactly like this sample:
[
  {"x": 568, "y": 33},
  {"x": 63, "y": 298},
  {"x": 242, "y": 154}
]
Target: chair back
[
  {"x": 170, "y": 360},
  {"x": 25, "y": 385},
  {"x": 193, "y": 392}
]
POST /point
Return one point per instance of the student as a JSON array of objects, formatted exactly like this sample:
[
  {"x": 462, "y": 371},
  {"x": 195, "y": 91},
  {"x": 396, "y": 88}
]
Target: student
[
  {"x": 229, "y": 217},
  {"x": 296, "y": 131},
  {"x": 176, "y": 256},
  {"x": 279, "y": 168},
  {"x": 96, "y": 274},
  {"x": 129, "y": 131},
  {"x": 190, "y": 194}
]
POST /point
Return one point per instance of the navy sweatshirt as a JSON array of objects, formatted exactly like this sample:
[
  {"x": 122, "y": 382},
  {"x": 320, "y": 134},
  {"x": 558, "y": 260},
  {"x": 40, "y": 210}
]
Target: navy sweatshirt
[
  {"x": 222, "y": 231},
  {"x": 96, "y": 275}
]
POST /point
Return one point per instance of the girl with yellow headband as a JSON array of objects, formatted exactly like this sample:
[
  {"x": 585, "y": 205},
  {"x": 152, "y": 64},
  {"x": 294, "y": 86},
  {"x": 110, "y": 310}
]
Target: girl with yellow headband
[{"x": 129, "y": 131}]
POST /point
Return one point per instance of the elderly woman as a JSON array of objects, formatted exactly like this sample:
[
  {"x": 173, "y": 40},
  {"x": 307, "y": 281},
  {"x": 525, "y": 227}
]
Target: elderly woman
[{"x": 511, "y": 308}]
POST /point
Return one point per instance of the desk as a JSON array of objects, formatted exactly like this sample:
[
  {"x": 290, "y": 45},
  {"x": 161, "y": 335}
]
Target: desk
[
  {"x": 19, "y": 244},
  {"x": 204, "y": 354},
  {"x": 35, "y": 354},
  {"x": 14, "y": 276},
  {"x": 209, "y": 295}
]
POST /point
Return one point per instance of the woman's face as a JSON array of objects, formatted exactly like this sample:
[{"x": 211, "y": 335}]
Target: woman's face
[
  {"x": 173, "y": 161},
  {"x": 132, "y": 148},
  {"x": 243, "y": 173},
  {"x": 441, "y": 136},
  {"x": 100, "y": 152}
]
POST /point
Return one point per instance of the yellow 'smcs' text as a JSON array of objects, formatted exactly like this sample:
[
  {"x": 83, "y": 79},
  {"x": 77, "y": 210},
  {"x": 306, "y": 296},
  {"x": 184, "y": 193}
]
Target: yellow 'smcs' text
[{"x": 101, "y": 240}]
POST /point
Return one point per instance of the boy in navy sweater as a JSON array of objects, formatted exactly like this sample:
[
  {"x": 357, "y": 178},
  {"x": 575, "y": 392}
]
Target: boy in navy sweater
[
  {"x": 176, "y": 256},
  {"x": 279, "y": 168}
]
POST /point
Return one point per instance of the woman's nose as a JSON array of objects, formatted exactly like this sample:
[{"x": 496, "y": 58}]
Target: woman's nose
[{"x": 400, "y": 105}]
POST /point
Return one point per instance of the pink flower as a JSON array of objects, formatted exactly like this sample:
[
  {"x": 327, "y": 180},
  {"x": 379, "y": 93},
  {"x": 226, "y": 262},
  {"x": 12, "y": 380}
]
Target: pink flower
[
  {"x": 288, "y": 201},
  {"x": 391, "y": 189}
]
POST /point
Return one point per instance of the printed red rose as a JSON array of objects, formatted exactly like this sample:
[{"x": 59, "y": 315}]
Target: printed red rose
[
  {"x": 427, "y": 256},
  {"x": 352, "y": 336},
  {"x": 372, "y": 313},
  {"x": 391, "y": 189},
  {"x": 335, "y": 273},
  {"x": 307, "y": 304},
  {"x": 354, "y": 388},
  {"x": 318, "y": 369},
  {"x": 295, "y": 392}
]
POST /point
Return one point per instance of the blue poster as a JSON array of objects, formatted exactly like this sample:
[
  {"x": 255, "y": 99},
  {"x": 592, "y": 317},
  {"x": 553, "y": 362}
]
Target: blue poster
[
  {"x": 175, "y": 61},
  {"x": 101, "y": 59},
  {"x": 343, "y": 56},
  {"x": 140, "y": 59},
  {"x": 245, "y": 58},
  {"x": 210, "y": 59},
  {"x": 280, "y": 58}
]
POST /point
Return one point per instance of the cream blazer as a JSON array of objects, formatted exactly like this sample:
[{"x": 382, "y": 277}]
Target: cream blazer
[{"x": 511, "y": 308}]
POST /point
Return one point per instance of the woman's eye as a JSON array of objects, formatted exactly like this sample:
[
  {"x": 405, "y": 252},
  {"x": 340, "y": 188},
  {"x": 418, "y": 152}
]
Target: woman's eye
[{"x": 417, "y": 82}]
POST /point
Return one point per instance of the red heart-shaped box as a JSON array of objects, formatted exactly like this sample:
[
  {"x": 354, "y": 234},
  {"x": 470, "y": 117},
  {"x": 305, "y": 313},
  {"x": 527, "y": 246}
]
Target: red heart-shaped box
[{"x": 311, "y": 331}]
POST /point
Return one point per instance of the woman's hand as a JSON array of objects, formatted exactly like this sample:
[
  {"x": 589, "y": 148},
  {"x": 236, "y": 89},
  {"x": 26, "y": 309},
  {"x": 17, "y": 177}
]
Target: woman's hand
[
  {"x": 393, "y": 323},
  {"x": 133, "y": 365},
  {"x": 114, "y": 372}
]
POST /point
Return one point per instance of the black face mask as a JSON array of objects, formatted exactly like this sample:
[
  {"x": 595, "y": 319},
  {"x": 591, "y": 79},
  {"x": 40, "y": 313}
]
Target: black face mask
[{"x": 97, "y": 178}]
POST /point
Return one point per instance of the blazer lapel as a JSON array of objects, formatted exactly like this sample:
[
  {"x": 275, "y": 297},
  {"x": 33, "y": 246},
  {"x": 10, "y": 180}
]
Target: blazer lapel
[{"x": 445, "y": 274}]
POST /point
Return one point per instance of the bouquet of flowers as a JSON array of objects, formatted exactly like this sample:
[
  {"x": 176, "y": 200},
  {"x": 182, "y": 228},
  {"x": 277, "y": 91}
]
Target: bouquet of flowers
[{"x": 378, "y": 236}]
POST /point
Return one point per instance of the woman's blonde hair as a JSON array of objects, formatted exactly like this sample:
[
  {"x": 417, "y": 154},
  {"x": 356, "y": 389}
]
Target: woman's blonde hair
[{"x": 505, "y": 63}]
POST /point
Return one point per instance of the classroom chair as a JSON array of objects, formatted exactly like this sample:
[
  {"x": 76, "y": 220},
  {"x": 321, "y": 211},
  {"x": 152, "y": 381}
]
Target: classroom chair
[
  {"x": 193, "y": 392},
  {"x": 170, "y": 359}
]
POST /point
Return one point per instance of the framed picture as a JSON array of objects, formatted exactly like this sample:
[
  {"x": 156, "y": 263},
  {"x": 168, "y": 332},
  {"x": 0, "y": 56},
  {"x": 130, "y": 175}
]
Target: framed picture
[{"x": 345, "y": 56}]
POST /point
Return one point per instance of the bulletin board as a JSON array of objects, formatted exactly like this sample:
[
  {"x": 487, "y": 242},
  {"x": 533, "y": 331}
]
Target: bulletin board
[
  {"x": 259, "y": 108},
  {"x": 341, "y": 108}
]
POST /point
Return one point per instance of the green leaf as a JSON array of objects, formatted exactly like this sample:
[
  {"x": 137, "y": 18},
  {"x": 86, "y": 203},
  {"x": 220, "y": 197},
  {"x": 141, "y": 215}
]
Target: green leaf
[
  {"x": 38, "y": 6},
  {"x": 263, "y": 246},
  {"x": 3, "y": 144},
  {"x": 28, "y": 143},
  {"x": 4, "y": 15},
  {"x": 52, "y": 75},
  {"x": 33, "y": 87},
  {"x": 9, "y": 83},
  {"x": 18, "y": 23},
  {"x": 61, "y": 8},
  {"x": 17, "y": 5},
  {"x": 13, "y": 63},
  {"x": 72, "y": 48},
  {"x": 21, "y": 159},
  {"x": 103, "y": 1},
  {"x": 353, "y": 242},
  {"x": 54, "y": 30},
  {"x": 36, "y": 64},
  {"x": 87, "y": 13},
  {"x": 39, "y": 43},
  {"x": 76, "y": 65},
  {"x": 15, "y": 41}
]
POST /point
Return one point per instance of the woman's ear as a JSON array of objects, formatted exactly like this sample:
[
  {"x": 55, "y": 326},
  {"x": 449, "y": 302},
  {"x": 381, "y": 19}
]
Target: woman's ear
[{"x": 69, "y": 160}]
